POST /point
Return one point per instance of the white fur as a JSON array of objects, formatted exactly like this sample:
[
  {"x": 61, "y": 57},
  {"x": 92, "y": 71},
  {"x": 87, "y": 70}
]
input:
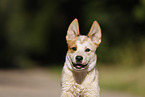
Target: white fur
[{"x": 81, "y": 82}]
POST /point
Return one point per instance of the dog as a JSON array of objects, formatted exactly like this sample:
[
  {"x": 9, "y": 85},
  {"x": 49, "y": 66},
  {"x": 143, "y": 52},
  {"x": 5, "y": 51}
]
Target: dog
[{"x": 79, "y": 75}]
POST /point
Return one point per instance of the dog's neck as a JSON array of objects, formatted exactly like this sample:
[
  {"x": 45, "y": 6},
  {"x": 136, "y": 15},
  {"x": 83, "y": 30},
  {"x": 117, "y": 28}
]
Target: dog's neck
[{"x": 79, "y": 76}]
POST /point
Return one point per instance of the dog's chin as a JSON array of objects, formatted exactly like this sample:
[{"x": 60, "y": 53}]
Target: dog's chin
[{"x": 79, "y": 66}]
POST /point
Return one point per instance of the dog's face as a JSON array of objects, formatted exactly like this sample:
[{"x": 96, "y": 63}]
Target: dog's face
[{"x": 81, "y": 49}]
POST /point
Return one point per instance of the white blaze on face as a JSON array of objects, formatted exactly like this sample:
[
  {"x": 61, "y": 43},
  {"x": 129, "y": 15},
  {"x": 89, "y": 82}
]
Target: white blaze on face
[{"x": 82, "y": 44}]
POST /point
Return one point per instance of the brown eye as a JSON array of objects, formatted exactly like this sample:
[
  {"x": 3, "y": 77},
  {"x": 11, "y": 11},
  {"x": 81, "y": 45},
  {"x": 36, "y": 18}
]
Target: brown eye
[
  {"x": 87, "y": 50},
  {"x": 74, "y": 48}
]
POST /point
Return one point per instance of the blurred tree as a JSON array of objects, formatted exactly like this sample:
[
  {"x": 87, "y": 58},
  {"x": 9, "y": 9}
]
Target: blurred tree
[
  {"x": 33, "y": 31},
  {"x": 139, "y": 11},
  {"x": 120, "y": 27}
]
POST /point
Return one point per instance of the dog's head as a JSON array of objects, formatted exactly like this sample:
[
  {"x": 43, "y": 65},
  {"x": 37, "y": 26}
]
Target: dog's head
[{"x": 81, "y": 49}]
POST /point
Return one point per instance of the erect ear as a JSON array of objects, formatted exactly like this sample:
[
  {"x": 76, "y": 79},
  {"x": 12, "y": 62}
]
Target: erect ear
[
  {"x": 95, "y": 33},
  {"x": 73, "y": 30}
]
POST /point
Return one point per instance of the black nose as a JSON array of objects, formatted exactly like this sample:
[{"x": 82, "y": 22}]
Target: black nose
[{"x": 79, "y": 58}]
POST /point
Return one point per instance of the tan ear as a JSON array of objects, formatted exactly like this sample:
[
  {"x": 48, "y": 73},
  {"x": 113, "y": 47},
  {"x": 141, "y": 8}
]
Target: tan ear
[
  {"x": 73, "y": 30},
  {"x": 95, "y": 33}
]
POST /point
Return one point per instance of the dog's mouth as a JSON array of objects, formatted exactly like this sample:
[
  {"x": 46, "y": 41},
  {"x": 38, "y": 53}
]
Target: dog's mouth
[{"x": 79, "y": 66}]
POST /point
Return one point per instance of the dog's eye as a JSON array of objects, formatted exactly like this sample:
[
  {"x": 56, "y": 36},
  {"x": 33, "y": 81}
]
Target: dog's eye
[
  {"x": 87, "y": 50},
  {"x": 74, "y": 48}
]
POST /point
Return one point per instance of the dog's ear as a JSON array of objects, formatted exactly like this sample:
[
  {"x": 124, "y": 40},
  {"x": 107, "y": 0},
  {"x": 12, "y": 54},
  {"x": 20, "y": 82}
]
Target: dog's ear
[
  {"x": 73, "y": 30},
  {"x": 95, "y": 33}
]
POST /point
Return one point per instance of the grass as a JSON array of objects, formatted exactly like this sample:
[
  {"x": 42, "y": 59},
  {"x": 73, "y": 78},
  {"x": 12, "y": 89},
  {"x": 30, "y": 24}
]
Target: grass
[
  {"x": 123, "y": 79},
  {"x": 115, "y": 78},
  {"x": 56, "y": 69}
]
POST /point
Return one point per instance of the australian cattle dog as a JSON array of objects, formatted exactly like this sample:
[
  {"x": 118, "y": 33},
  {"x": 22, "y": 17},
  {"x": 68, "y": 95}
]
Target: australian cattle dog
[{"x": 79, "y": 74}]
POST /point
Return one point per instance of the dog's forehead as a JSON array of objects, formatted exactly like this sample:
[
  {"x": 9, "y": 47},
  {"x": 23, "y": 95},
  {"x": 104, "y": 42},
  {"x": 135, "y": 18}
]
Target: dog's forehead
[
  {"x": 84, "y": 40},
  {"x": 81, "y": 40}
]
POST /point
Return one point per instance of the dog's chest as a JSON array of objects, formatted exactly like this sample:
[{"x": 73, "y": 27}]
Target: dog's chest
[
  {"x": 79, "y": 84},
  {"x": 77, "y": 89}
]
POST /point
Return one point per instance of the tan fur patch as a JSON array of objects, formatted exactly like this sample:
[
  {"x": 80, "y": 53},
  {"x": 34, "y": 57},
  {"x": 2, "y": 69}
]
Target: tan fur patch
[
  {"x": 72, "y": 44},
  {"x": 81, "y": 40}
]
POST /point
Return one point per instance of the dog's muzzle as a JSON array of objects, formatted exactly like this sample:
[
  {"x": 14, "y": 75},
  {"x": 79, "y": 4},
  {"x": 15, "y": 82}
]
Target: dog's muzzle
[{"x": 79, "y": 65}]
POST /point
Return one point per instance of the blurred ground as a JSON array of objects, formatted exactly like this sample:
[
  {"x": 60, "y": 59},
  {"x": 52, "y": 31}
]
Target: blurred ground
[{"x": 36, "y": 83}]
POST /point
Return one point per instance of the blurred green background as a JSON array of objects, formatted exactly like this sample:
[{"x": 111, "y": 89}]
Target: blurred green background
[{"x": 32, "y": 33}]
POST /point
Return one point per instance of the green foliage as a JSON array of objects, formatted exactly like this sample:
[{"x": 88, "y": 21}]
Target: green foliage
[
  {"x": 139, "y": 12},
  {"x": 35, "y": 29},
  {"x": 123, "y": 79}
]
